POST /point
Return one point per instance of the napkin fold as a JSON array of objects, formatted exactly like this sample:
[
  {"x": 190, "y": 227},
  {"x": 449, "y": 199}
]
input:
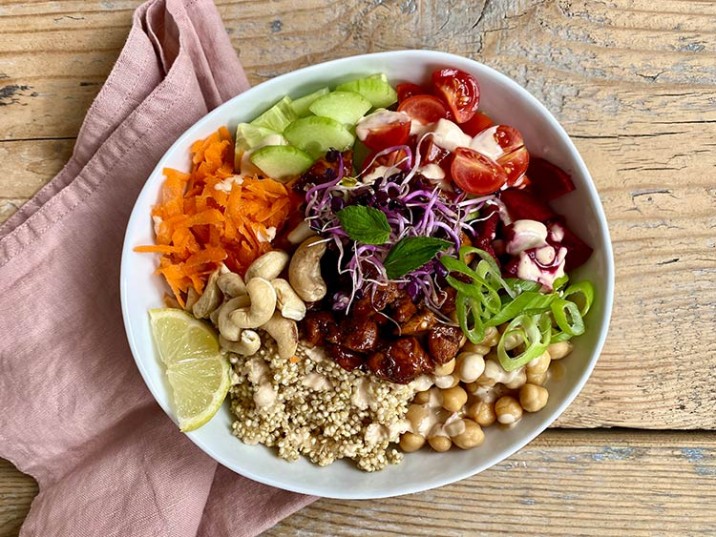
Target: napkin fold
[{"x": 76, "y": 413}]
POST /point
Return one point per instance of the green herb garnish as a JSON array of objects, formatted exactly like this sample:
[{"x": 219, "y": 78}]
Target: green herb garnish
[
  {"x": 411, "y": 253},
  {"x": 365, "y": 224}
]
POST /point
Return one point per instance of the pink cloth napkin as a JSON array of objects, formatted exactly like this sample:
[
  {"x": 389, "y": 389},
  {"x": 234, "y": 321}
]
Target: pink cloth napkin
[{"x": 76, "y": 414}]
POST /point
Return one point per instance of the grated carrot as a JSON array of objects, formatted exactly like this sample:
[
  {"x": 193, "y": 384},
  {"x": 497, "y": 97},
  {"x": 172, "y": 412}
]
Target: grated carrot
[{"x": 198, "y": 226}]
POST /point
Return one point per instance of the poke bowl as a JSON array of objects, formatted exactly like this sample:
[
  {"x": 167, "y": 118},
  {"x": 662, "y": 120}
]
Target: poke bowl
[{"x": 468, "y": 413}]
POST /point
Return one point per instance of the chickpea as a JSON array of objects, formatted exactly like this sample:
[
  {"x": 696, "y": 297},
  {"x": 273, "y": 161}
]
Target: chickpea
[
  {"x": 440, "y": 443},
  {"x": 560, "y": 349},
  {"x": 477, "y": 348},
  {"x": 513, "y": 340},
  {"x": 447, "y": 381},
  {"x": 472, "y": 387},
  {"x": 454, "y": 427},
  {"x": 473, "y": 436},
  {"x": 492, "y": 336},
  {"x": 418, "y": 416},
  {"x": 539, "y": 364},
  {"x": 445, "y": 369},
  {"x": 508, "y": 410},
  {"x": 482, "y": 412},
  {"x": 537, "y": 378},
  {"x": 422, "y": 398},
  {"x": 470, "y": 366},
  {"x": 454, "y": 398},
  {"x": 410, "y": 442},
  {"x": 533, "y": 397}
]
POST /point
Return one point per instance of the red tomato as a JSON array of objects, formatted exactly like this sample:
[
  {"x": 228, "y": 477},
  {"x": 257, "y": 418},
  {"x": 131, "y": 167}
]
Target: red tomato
[
  {"x": 383, "y": 129},
  {"x": 431, "y": 152},
  {"x": 478, "y": 123},
  {"x": 389, "y": 160},
  {"x": 515, "y": 164},
  {"x": 509, "y": 138},
  {"x": 408, "y": 89},
  {"x": 459, "y": 90},
  {"x": 475, "y": 173},
  {"x": 424, "y": 108}
]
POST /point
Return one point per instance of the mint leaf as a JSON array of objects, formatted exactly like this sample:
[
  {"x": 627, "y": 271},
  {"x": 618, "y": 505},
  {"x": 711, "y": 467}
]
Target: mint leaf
[
  {"x": 412, "y": 253},
  {"x": 365, "y": 224}
]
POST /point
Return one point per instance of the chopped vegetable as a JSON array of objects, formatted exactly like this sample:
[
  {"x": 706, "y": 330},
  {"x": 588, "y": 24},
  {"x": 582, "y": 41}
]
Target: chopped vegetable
[
  {"x": 485, "y": 299},
  {"x": 210, "y": 216}
]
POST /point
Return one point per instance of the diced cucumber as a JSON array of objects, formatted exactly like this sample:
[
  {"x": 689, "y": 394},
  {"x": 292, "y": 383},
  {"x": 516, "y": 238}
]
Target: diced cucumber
[
  {"x": 316, "y": 135},
  {"x": 375, "y": 88},
  {"x": 281, "y": 161},
  {"x": 345, "y": 107},
  {"x": 249, "y": 136},
  {"x": 278, "y": 117},
  {"x": 300, "y": 105}
]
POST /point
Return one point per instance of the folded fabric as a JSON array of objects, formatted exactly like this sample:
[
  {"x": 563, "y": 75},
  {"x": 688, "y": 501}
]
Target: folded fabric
[{"x": 76, "y": 413}]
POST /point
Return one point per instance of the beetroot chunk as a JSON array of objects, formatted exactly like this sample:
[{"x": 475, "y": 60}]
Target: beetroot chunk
[
  {"x": 524, "y": 205},
  {"x": 547, "y": 180},
  {"x": 578, "y": 251}
]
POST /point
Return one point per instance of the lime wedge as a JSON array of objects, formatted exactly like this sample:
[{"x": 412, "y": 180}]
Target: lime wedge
[{"x": 197, "y": 371}]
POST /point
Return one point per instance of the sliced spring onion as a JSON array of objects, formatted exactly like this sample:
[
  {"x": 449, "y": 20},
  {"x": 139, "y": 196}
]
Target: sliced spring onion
[
  {"x": 529, "y": 312},
  {"x": 520, "y": 286},
  {"x": 535, "y": 331},
  {"x": 584, "y": 288},
  {"x": 469, "y": 318},
  {"x": 566, "y": 315},
  {"x": 529, "y": 300},
  {"x": 560, "y": 282}
]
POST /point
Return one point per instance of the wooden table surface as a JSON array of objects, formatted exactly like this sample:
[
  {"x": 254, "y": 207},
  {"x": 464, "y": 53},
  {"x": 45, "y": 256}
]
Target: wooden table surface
[{"x": 634, "y": 84}]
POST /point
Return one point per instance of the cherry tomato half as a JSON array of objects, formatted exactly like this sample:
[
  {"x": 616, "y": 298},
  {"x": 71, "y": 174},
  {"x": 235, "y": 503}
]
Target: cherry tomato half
[
  {"x": 475, "y": 173},
  {"x": 432, "y": 153},
  {"x": 424, "y": 108},
  {"x": 459, "y": 90},
  {"x": 408, "y": 89},
  {"x": 515, "y": 164},
  {"x": 477, "y": 124},
  {"x": 381, "y": 130},
  {"x": 508, "y": 138},
  {"x": 391, "y": 159}
]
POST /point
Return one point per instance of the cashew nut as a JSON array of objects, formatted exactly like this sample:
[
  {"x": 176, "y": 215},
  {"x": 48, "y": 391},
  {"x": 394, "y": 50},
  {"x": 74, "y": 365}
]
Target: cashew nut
[
  {"x": 248, "y": 344},
  {"x": 287, "y": 301},
  {"x": 268, "y": 266},
  {"x": 300, "y": 233},
  {"x": 285, "y": 332},
  {"x": 227, "y": 327},
  {"x": 261, "y": 307},
  {"x": 304, "y": 272},
  {"x": 191, "y": 297},
  {"x": 210, "y": 299},
  {"x": 231, "y": 284}
]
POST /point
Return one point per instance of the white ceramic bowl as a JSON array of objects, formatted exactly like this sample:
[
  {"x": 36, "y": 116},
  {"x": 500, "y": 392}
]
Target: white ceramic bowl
[{"x": 506, "y": 102}]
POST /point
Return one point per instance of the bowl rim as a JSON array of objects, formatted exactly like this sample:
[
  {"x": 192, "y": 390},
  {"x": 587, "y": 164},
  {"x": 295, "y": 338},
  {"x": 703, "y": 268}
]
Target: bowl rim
[{"x": 437, "y": 57}]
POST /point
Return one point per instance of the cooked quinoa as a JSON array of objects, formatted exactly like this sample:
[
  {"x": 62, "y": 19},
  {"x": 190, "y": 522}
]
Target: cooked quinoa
[{"x": 311, "y": 406}]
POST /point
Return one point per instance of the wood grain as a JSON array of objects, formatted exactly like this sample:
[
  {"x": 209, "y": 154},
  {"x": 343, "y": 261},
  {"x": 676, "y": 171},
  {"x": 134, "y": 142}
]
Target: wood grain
[
  {"x": 564, "y": 483},
  {"x": 16, "y": 493}
]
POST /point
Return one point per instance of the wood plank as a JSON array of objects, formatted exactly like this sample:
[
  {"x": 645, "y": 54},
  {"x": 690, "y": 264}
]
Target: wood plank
[
  {"x": 16, "y": 493},
  {"x": 564, "y": 483}
]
